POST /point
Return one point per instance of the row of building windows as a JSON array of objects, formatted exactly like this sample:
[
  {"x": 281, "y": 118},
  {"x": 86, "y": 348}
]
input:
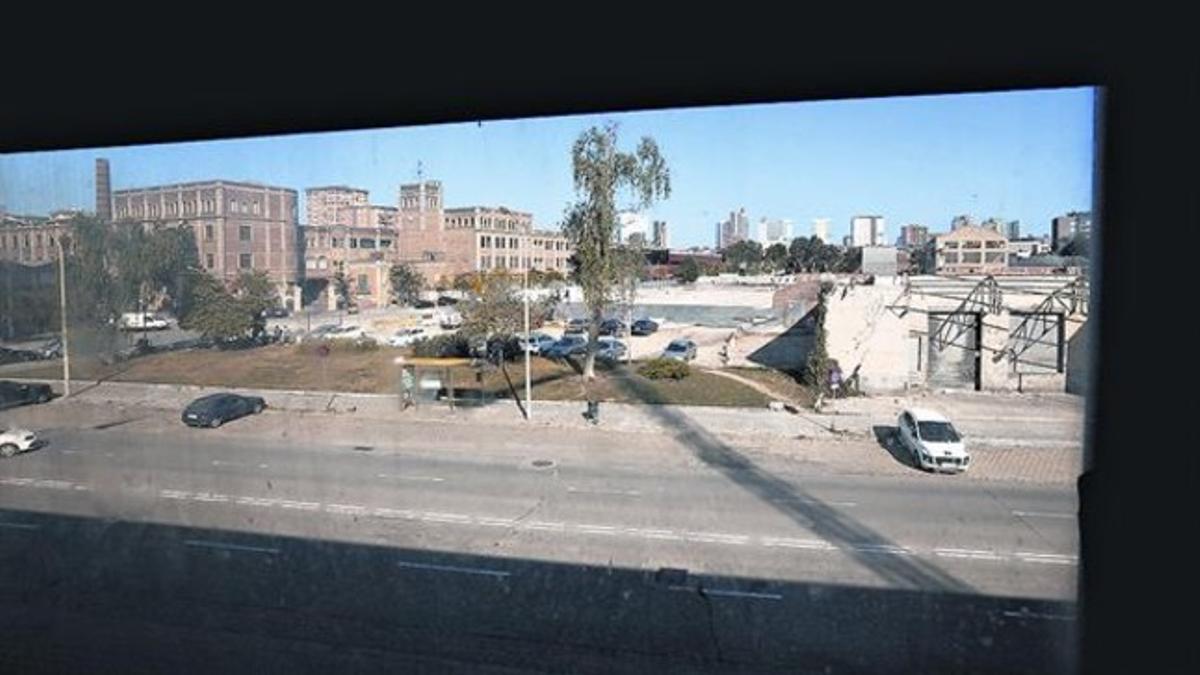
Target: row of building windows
[
  {"x": 126, "y": 210},
  {"x": 975, "y": 244},
  {"x": 973, "y": 258},
  {"x": 501, "y": 262}
]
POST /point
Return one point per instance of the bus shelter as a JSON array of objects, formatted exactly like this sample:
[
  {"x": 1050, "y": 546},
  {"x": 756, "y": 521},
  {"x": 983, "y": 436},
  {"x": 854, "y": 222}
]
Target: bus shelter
[{"x": 431, "y": 380}]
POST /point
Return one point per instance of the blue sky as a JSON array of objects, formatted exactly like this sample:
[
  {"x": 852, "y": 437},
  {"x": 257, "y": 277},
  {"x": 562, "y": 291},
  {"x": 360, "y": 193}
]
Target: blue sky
[{"x": 1023, "y": 155}]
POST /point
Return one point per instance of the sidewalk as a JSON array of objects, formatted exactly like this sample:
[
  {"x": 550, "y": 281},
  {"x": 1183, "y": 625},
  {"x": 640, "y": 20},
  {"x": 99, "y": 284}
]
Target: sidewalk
[{"x": 1042, "y": 422}]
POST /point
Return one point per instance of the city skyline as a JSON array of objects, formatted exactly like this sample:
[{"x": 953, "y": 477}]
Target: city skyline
[{"x": 1023, "y": 156}]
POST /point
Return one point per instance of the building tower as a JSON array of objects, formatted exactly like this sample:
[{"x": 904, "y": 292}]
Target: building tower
[{"x": 103, "y": 191}]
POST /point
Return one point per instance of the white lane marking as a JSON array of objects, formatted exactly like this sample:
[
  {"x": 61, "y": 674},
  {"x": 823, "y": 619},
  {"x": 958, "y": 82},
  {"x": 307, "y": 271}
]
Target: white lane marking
[
  {"x": 666, "y": 535},
  {"x": 69, "y": 452},
  {"x": 496, "y": 522},
  {"x": 621, "y": 493},
  {"x": 262, "y": 466},
  {"x": 21, "y": 526},
  {"x": 300, "y": 506},
  {"x": 437, "y": 517},
  {"x": 787, "y": 542},
  {"x": 1044, "y": 514},
  {"x": 545, "y": 526},
  {"x": 970, "y": 554},
  {"x": 174, "y": 494},
  {"x": 717, "y": 538},
  {"x": 53, "y": 484},
  {"x": 722, "y": 592},
  {"x": 400, "y": 476},
  {"x": 211, "y": 497},
  {"x": 83, "y": 488},
  {"x": 1046, "y": 558},
  {"x": 204, "y": 543},
  {"x": 453, "y": 568},
  {"x": 1025, "y": 614},
  {"x": 597, "y": 529},
  {"x": 383, "y": 512},
  {"x": 16, "y": 481},
  {"x": 256, "y": 501},
  {"x": 346, "y": 509}
]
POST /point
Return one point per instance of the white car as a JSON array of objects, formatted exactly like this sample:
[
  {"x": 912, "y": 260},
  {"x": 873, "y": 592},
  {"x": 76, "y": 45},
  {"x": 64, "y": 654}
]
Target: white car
[
  {"x": 143, "y": 321},
  {"x": 933, "y": 441},
  {"x": 14, "y": 440},
  {"x": 610, "y": 349},
  {"x": 344, "y": 333},
  {"x": 406, "y": 336},
  {"x": 536, "y": 342}
]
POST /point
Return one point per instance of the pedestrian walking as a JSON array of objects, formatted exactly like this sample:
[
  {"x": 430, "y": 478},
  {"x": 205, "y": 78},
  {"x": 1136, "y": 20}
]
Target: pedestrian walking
[
  {"x": 835, "y": 380},
  {"x": 407, "y": 387}
]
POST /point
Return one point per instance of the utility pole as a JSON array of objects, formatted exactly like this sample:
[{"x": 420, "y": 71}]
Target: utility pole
[
  {"x": 62, "y": 306},
  {"x": 528, "y": 383}
]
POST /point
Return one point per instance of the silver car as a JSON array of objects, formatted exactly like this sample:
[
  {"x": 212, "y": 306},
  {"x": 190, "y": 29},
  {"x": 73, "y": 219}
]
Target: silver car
[{"x": 680, "y": 350}]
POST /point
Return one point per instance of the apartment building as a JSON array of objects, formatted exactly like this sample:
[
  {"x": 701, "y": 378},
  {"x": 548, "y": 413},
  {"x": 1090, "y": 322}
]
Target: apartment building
[{"x": 971, "y": 250}]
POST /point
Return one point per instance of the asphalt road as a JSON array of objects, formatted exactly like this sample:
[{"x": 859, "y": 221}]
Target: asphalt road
[{"x": 292, "y": 556}]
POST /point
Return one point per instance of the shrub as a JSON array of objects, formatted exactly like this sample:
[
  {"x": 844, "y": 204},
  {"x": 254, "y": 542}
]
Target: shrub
[
  {"x": 442, "y": 346},
  {"x": 659, "y": 369}
]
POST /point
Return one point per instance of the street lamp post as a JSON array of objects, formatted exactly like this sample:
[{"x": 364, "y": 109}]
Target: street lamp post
[
  {"x": 62, "y": 306},
  {"x": 528, "y": 383}
]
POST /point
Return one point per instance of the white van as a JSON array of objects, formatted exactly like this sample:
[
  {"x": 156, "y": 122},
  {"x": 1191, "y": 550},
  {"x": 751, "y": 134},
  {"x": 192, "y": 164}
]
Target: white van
[{"x": 142, "y": 321}]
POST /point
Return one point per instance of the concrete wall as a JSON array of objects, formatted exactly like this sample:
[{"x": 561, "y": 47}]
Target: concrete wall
[
  {"x": 1078, "y": 355},
  {"x": 862, "y": 332}
]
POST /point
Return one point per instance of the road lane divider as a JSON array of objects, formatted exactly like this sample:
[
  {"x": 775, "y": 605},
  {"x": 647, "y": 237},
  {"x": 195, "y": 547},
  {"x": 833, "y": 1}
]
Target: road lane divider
[
  {"x": 453, "y": 569},
  {"x": 226, "y": 546}
]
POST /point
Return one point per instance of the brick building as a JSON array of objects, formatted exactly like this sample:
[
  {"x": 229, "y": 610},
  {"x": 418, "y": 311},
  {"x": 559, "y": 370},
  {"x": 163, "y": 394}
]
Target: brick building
[
  {"x": 342, "y": 205},
  {"x": 364, "y": 255},
  {"x": 971, "y": 250},
  {"x": 238, "y": 226},
  {"x": 30, "y": 240}
]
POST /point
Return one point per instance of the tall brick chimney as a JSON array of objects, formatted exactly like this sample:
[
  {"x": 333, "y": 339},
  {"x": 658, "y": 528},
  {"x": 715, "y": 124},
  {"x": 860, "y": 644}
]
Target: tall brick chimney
[{"x": 103, "y": 191}]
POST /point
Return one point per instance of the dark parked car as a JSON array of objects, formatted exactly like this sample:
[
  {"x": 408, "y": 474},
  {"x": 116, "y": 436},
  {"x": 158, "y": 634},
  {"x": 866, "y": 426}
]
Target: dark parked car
[
  {"x": 569, "y": 345},
  {"x": 216, "y": 409},
  {"x": 575, "y": 326},
  {"x": 17, "y": 355},
  {"x": 13, "y": 394},
  {"x": 612, "y": 327},
  {"x": 424, "y": 304},
  {"x": 446, "y": 301},
  {"x": 643, "y": 327}
]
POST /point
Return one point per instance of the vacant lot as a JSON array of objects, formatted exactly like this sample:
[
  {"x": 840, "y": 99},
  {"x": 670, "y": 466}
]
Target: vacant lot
[{"x": 374, "y": 371}]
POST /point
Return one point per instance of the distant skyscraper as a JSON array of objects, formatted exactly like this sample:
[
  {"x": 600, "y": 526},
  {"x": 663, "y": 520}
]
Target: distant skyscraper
[
  {"x": 630, "y": 223},
  {"x": 867, "y": 231},
  {"x": 774, "y": 231},
  {"x": 961, "y": 221},
  {"x": 660, "y": 239},
  {"x": 733, "y": 230},
  {"x": 103, "y": 191},
  {"x": 995, "y": 225},
  {"x": 1013, "y": 229},
  {"x": 821, "y": 229},
  {"x": 1063, "y": 228},
  {"x": 913, "y": 236}
]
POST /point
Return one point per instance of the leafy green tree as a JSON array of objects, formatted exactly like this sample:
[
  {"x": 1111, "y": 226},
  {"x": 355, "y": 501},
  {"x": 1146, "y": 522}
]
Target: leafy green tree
[
  {"x": 850, "y": 261},
  {"x": 498, "y": 310},
  {"x": 688, "y": 271},
  {"x": 406, "y": 284},
  {"x": 341, "y": 286},
  {"x": 775, "y": 257},
  {"x": 255, "y": 294},
  {"x": 600, "y": 172},
  {"x": 215, "y": 312},
  {"x": 744, "y": 256}
]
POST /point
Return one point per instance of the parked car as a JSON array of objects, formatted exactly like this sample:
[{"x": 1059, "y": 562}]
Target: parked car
[
  {"x": 933, "y": 442},
  {"x": 17, "y": 355},
  {"x": 52, "y": 349},
  {"x": 16, "y": 439},
  {"x": 643, "y": 327},
  {"x": 277, "y": 312},
  {"x": 406, "y": 336},
  {"x": 424, "y": 304},
  {"x": 13, "y": 394},
  {"x": 216, "y": 409},
  {"x": 575, "y": 326},
  {"x": 537, "y": 342},
  {"x": 569, "y": 345},
  {"x": 680, "y": 350},
  {"x": 142, "y": 321},
  {"x": 450, "y": 320},
  {"x": 344, "y": 333},
  {"x": 612, "y": 327},
  {"x": 611, "y": 349},
  {"x": 446, "y": 301}
]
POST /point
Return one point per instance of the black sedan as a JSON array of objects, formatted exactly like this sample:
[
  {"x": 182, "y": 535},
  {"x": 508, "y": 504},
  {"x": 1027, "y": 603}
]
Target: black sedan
[
  {"x": 13, "y": 394},
  {"x": 216, "y": 409},
  {"x": 643, "y": 327},
  {"x": 612, "y": 327}
]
